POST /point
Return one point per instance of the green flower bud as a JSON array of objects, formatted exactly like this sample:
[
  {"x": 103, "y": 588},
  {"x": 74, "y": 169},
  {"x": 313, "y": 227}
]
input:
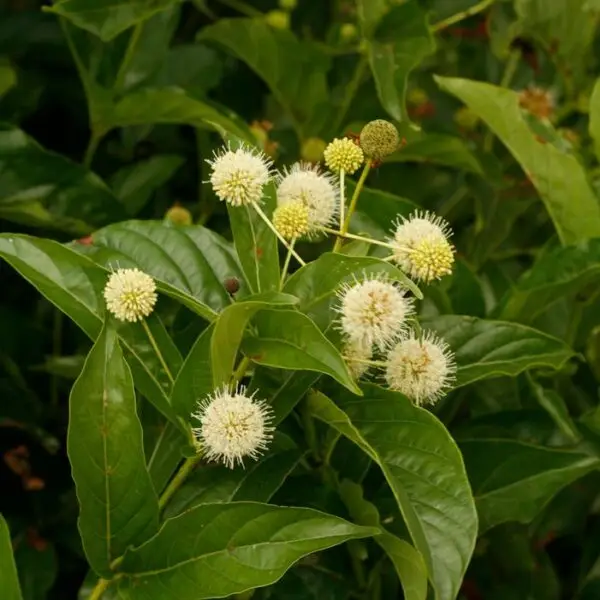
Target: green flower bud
[
  {"x": 312, "y": 149},
  {"x": 288, "y": 5},
  {"x": 348, "y": 32},
  {"x": 378, "y": 139},
  {"x": 279, "y": 19},
  {"x": 178, "y": 215}
]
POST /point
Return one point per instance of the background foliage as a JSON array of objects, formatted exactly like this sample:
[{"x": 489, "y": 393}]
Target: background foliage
[{"x": 108, "y": 113}]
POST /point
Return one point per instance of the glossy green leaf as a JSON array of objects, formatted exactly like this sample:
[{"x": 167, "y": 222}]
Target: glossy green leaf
[
  {"x": 190, "y": 263},
  {"x": 555, "y": 406},
  {"x": 37, "y": 565},
  {"x": 558, "y": 177},
  {"x": 44, "y": 189},
  {"x": 287, "y": 339},
  {"x": 317, "y": 284},
  {"x": 408, "y": 562},
  {"x": 170, "y": 448},
  {"x": 424, "y": 469},
  {"x": 8, "y": 77},
  {"x": 108, "y": 18},
  {"x": 485, "y": 348},
  {"x": 74, "y": 284},
  {"x": 294, "y": 70},
  {"x": 398, "y": 40},
  {"x": 9, "y": 581},
  {"x": 118, "y": 504},
  {"x": 134, "y": 184},
  {"x": 557, "y": 273},
  {"x": 248, "y": 544},
  {"x": 513, "y": 481},
  {"x": 229, "y": 330}
]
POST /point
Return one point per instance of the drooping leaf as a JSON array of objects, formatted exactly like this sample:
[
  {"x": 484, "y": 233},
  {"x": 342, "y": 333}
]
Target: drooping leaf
[
  {"x": 108, "y": 18},
  {"x": 294, "y": 70},
  {"x": 74, "y": 284},
  {"x": 424, "y": 469},
  {"x": 513, "y": 481},
  {"x": 398, "y": 40},
  {"x": 317, "y": 283},
  {"x": 557, "y": 273},
  {"x": 9, "y": 580},
  {"x": 118, "y": 504},
  {"x": 558, "y": 177},
  {"x": 486, "y": 348},
  {"x": 255, "y": 548},
  {"x": 229, "y": 330},
  {"x": 189, "y": 262},
  {"x": 287, "y": 339},
  {"x": 43, "y": 189},
  {"x": 134, "y": 184}
]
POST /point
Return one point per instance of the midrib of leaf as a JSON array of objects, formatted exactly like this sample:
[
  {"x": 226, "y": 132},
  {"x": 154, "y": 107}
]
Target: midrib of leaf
[
  {"x": 255, "y": 249},
  {"x": 104, "y": 435}
]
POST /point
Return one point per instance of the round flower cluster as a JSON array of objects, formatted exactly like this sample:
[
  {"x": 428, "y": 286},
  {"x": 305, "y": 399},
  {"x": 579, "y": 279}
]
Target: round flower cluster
[
  {"x": 343, "y": 155},
  {"x": 291, "y": 220},
  {"x": 130, "y": 294}
]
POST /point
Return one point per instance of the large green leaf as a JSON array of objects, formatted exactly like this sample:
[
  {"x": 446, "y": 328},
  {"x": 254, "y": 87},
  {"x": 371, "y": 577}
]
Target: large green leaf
[
  {"x": 408, "y": 562},
  {"x": 215, "y": 550},
  {"x": 229, "y": 330},
  {"x": 317, "y": 284},
  {"x": 557, "y": 273},
  {"x": 558, "y": 177},
  {"x": 108, "y": 18},
  {"x": 294, "y": 70},
  {"x": 485, "y": 348},
  {"x": 74, "y": 284},
  {"x": 287, "y": 339},
  {"x": 9, "y": 580},
  {"x": 44, "y": 189},
  {"x": 513, "y": 481},
  {"x": 189, "y": 262},
  {"x": 118, "y": 504},
  {"x": 398, "y": 40},
  {"x": 424, "y": 469},
  {"x": 170, "y": 447}
]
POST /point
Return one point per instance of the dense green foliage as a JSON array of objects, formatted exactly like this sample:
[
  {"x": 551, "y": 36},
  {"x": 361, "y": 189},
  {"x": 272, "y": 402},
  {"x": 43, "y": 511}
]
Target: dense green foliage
[{"x": 109, "y": 112}]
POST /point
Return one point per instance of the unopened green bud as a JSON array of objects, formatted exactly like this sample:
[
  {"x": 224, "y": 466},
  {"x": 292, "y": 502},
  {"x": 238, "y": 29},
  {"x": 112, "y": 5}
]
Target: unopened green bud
[
  {"x": 288, "y": 5},
  {"x": 279, "y": 19},
  {"x": 178, "y": 215},
  {"x": 348, "y": 32},
  {"x": 378, "y": 139},
  {"x": 312, "y": 149},
  {"x": 464, "y": 117}
]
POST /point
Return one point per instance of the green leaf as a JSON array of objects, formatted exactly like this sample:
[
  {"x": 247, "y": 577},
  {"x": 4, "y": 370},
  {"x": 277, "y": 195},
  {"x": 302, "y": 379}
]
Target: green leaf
[
  {"x": 9, "y": 581},
  {"x": 317, "y": 283},
  {"x": 74, "y": 284},
  {"x": 118, "y": 504},
  {"x": 513, "y": 481},
  {"x": 190, "y": 263},
  {"x": 287, "y": 339},
  {"x": 557, "y": 273},
  {"x": 255, "y": 548},
  {"x": 294, "y": 70},
  {"x": 555, "y": 406},
  {"x": 229, "y": 330},
  {"x": 167, "y": 453},
  {"x": 485, "y": 348},
  {"x": 595, "y": 117},
  {"x": 424, "y": 469},
  {"x": 134, "y": 184},
  {"x": 558, "y": 177},
  {"x": 408, "y": 562},
  {"x": 108, "y": 18},
  {"x": 398, "y": 40},
  {"x": 37, "y": 565},
  {"x": 44, "y": 189},
  {"x": 8, "y": 77}
]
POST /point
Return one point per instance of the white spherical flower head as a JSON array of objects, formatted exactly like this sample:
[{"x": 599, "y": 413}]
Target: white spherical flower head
[
  {"x": 357, "y": 356},
  {"x": 130, "y": 294},
  {"x": 421, "y": 246},
  {"x": 233, "y": 425},
  {"x": 373, "y": 311},
  {"x": 304, "y": 183},
  {"x": 421, "y": 369},
  {"x": 238, "y": 176}
]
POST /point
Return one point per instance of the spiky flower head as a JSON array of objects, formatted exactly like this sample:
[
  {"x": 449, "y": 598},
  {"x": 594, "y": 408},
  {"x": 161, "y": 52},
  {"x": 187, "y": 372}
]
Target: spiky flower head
[
  {"x": 238, "y": 176},
  {"x": 305, "y": 184},
  {"x": 357, "y": 354},
  {"x": 421, "y": 246},
  {"x": 233, "y": 425},
  {"x": 343, "y": 155},
  {"x": 291, "y": 220},
  {"x": 421, "y": 369},
  {"x": 130, "y": 294},
  {"x": 379, "y": 138},
  {"x": 373, "y": 312},
  {"x": 537, "y": 101}
]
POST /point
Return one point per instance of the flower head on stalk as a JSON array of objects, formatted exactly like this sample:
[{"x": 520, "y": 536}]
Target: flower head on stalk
[
  {"x": 291, "y": 220},
  {"x": 239, "y": 176},
  {"x": 233, "y": 425},
  {"x": 130, "y": 294},
  {"x": 343, "y": 155},
  {"x": 357, "y": 354}
]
